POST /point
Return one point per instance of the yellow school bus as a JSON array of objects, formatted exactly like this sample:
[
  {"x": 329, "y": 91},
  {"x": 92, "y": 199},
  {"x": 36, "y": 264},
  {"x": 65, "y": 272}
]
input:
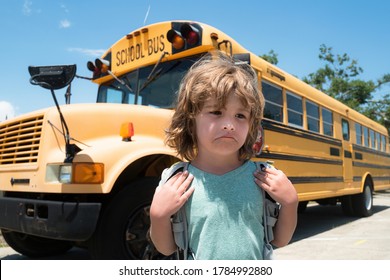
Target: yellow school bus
[{"x": 84, "y": 174}]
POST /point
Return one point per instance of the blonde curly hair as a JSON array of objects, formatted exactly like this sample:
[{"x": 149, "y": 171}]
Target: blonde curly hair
[{"x": 216, "y": 76}]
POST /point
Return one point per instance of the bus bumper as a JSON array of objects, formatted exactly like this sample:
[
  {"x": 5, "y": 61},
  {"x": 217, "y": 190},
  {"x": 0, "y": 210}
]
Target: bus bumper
[{"x": 51, "y": 219}]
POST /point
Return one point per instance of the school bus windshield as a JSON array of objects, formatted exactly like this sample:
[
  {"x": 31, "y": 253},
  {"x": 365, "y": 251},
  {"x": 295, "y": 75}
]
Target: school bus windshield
[{"x": 154, "y": 85}]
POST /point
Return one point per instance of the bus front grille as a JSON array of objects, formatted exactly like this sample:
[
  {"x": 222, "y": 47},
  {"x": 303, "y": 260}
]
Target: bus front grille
[{"x": 19, "y": 141}]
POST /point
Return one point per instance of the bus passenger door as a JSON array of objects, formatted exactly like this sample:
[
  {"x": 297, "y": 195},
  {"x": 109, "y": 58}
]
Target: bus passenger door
[{"x": 347, "y": 152}]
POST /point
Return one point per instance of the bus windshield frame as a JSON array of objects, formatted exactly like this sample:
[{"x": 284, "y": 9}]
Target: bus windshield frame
[{"x": 145, "y": 86}]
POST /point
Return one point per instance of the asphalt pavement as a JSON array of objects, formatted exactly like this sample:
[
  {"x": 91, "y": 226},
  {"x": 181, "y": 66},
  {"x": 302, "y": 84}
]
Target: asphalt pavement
[{"x": 323, "y": 233}]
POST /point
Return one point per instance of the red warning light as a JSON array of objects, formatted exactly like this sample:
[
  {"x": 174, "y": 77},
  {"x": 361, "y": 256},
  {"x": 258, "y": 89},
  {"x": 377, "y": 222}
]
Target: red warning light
[{"x": 190, "y": 33}]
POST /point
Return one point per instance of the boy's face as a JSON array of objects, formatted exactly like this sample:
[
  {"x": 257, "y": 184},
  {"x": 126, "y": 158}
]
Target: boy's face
[{"x": 222, "y": 131}]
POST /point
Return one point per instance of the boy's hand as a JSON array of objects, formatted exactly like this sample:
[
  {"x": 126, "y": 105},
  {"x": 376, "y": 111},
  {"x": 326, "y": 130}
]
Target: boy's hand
[
  {"x": 172, "y": 195},
  {"x": 277, "y": 185}
]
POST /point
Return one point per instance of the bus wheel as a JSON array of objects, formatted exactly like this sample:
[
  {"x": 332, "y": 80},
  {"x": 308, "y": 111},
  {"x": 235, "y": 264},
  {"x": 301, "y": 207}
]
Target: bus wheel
[
  {"x": 362, "y": 203},
  {"x": 302, "y": 205},
  {"x": 122, "y": 232},
  {"x": 346, "y": 205},
  {"x": 34, "y": 246}
]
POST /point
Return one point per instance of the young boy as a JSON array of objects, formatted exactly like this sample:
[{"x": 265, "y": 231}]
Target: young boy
[{"x": 214, "y": 127}]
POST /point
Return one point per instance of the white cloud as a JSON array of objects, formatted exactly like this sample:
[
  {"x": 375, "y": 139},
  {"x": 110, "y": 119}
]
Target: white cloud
[
  {"x": 65, "y": 23},
  {"x": 88, "y": 52},
  {"x": 7, "y": 111},
  {"x": 64, "y": 8},
  {"x": 26, "y": 10}
]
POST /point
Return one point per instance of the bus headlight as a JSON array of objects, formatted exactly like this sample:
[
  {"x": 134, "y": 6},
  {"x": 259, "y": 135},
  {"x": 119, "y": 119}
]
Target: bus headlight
[{"x": 65, "y": 174}]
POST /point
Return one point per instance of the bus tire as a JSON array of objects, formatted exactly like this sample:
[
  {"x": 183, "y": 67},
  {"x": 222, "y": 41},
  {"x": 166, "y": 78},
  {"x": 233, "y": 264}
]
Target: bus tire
[
  {"x": 302, "y": 205},
  {"x": 346, "y": 205},
  {"x": 122, "y": 230},
  {"x": 362, "y": 203},
  {"x": 34, "y": 246}
]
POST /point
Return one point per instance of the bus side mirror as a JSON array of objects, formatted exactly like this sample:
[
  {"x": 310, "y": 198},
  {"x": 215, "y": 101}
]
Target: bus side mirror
[{"x": 52, "y": 77}]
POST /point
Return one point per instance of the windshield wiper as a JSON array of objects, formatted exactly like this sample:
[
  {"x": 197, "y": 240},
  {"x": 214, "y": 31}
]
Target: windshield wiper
[
  {"x": 153, "y": 74},
  {"x": 120, "y": 81}
]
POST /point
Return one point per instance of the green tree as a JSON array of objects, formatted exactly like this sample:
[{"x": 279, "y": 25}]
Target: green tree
[
  {"x": 339, "y": 79},
  {"x": 379, "y": 111},
  {"x": 271, "y": 57}
]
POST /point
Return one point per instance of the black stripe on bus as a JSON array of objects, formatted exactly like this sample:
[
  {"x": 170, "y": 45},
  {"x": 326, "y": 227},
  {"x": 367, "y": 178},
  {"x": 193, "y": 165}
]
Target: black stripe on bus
[
  {"x": 282, "y": 128},
  {"x": 297, "y": 132},
  {"x": 370, "y": 151},
  {"x": 375, "y": 178},
  {"x": 370, "y": 165},
  {"x": 357, "y": 178},
  {"x": 381, "y": 178},
  {"x": 300, "y": 159},
  {"x": 305, "y": 180}
]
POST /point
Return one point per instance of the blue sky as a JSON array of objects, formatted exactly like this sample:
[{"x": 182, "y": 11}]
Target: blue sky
[{"x": 50, "y": 32}]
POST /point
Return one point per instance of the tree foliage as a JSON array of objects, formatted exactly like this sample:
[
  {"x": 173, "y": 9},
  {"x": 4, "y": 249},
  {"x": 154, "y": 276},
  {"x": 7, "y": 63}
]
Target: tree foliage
[
  {"x": 271, "y": 57},
  {"x": 339, "y": 78},
  {"x": 379, "y": 111}
]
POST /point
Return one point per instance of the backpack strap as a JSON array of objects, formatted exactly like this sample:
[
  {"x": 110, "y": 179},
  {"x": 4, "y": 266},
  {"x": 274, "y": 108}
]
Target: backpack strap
[
  {"x": 169, "y": 172},
  {"x": 270, "y": 208},
  {"x": 270, "y": 216},
  {"x": 179, "y": 219},
  {"x": 180, "y": 233}
]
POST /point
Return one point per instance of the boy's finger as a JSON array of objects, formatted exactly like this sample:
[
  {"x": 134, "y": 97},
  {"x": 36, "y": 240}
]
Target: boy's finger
[
  {"x": 186, "y": 183},
  {"x": 177, "y": 178},
  {"x": 186, "y": 195}
]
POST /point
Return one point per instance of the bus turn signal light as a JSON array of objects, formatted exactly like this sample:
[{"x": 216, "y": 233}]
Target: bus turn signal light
[{"x": 88, "y": 173}]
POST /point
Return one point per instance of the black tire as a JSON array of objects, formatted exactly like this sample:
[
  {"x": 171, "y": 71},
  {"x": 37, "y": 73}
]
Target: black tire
[
  {"x": 302, "y": 205},
  {"x": 34, "y": 246},
  {"x": 362, "y": 203},
  {"x": 346, "y": 205},
  {"x": 122, "y": 232}
]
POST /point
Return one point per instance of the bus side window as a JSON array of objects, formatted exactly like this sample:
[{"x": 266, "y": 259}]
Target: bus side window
[
  {"x": 372, "y": 139},
  {"x": 273, "y": 102},
  {"x": 365, "y": 136},
  {"x": 378, "y": 141},
  {"x": 313, "y": 116},
  {"x": 383, "y": 143},
  {"x": 345, "y": 129},
  {"x": 294, "y": 109},
  {"x": 358, "y": 129},
  {"x": 327, "y": 122}
]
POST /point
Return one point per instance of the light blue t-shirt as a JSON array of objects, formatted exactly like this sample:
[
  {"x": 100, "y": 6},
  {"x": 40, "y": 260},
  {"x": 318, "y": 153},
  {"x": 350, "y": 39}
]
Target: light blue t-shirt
[{"x": 225, "y": 214}]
